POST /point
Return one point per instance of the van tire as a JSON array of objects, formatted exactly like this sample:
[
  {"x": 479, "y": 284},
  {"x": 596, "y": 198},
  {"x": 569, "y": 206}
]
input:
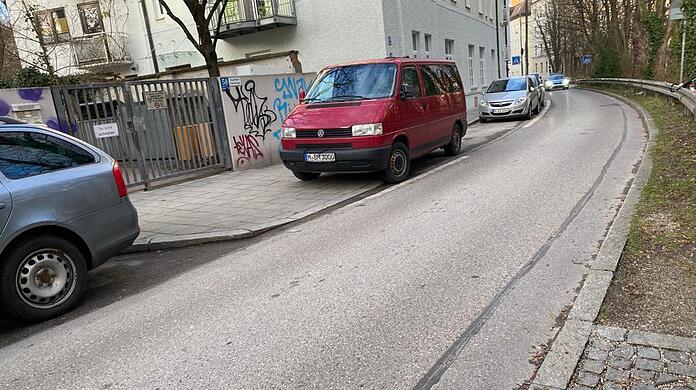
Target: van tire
[
  {"x": 454, "y": 147},
  {"x": 398, "y": 164},
  {"x": 27, "y": 257},
  {"x": 306, "y": 176}
]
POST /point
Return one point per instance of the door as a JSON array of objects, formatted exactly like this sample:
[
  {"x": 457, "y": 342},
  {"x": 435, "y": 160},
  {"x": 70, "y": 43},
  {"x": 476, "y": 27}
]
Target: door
[
  {"x": 437, "y": 106},
  {"x": 411, "y": 114},
  {"x": 5, "y": 207}
]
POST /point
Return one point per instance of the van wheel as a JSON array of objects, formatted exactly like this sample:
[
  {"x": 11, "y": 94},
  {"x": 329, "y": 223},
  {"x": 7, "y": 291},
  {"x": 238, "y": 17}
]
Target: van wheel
[
  {"x": 398, "y": 164},
  {"x": 454, "y": 147},
  {"x": 41, "y": 277},
  {"x": 306, "y": 176}
]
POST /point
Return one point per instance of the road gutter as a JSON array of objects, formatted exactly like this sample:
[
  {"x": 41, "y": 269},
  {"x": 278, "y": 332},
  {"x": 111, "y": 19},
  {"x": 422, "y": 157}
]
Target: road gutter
[{"x": 559, "y": 365}]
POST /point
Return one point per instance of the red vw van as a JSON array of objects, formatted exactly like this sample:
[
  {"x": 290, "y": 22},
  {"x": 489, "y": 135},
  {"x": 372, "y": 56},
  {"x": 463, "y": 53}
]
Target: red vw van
[{"x": 375, "y": 116}]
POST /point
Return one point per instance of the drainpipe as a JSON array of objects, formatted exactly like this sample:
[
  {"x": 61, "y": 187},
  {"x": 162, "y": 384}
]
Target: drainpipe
[
  {"x": 150, "y": 41},
  {"x": 497, "y": 35}
]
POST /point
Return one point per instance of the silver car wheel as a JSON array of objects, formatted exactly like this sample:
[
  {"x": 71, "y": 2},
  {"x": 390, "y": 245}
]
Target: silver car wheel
[{"x": 46, "y": 278}]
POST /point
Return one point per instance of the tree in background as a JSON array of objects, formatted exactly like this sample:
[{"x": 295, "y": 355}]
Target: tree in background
[
  {"x": 689, "y": 8},
  {"x": 205, "y": 13}
]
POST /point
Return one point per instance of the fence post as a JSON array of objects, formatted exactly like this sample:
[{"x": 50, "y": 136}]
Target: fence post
[
  {"x": 219, "y": 123},
  {"x": 135, "y": 126}
]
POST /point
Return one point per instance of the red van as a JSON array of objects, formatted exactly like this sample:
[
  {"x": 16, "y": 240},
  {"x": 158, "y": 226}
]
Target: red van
[{"x": 375, "y": 116}]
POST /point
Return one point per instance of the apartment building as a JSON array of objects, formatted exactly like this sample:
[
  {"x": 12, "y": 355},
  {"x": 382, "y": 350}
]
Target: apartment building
[
  {"x": 528, "y": 14},
  {"x": 130, "y": 37}
]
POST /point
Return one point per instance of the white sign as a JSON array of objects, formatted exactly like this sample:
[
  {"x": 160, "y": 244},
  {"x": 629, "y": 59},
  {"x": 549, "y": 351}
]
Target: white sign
[
  {"x": 106, "y": 130},
  {"x": 675, "y": 10},
  {"x": 155, "y": 100},
  {"x": 235, "y": 81}
]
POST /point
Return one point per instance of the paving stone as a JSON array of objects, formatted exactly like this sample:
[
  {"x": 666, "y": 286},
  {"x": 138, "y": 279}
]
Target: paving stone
[
  {"x": 647, "y": 364},
  {"x": 641, "y": 386},
  {"x": 602, "y": 344},
  {"x": 579, "y": 387},
  {"x": 618, "y": 362},
  {"x": 664, "y": 379},
  {"x": 625, "y": 352},
  {"x": 649, "y": 353},
  {"x": 661, "y": 340},
  {"x": 681, "y": 369},
  {"x": 593, "y": 366},
  {"x": 681, "y": 388},
  {"x": 677, "y": 356},
  {"x": 615, "y": 375},
  {"x": 612, "y": 386},
  {"x": 648, "y": 376},
  {"x": 612, "y": 333},
  {"x": 597, "y": 354},
  {"x": 587, "y": 379}
]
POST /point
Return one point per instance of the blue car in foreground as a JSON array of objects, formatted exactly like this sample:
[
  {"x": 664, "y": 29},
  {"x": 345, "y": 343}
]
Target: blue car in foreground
[
  {"x": 557, "y": 81},
  {"x": 64, "y": 209}
]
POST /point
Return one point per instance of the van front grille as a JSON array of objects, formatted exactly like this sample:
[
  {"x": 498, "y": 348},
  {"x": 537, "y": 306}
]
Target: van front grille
[{"x": 324, "y": 133}]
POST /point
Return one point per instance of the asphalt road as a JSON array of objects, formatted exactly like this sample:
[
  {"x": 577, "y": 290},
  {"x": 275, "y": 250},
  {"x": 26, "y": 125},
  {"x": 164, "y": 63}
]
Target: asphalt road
[{"x": 454, "y": 280}]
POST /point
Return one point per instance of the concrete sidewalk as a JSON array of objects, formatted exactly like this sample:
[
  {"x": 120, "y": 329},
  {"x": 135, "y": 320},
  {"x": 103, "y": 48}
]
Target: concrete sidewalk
[{"x": 236, "y": 205}]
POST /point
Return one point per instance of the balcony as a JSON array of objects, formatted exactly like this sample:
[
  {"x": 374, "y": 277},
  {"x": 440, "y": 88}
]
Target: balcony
[
  {"x": 101, "y": 51},
  {"x": 248, "y": 16}
]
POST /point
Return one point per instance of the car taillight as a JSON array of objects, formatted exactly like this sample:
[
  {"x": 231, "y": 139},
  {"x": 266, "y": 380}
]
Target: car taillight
[{"x": 120, "y": 183}]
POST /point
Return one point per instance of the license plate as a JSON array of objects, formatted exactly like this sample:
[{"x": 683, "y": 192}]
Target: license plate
[
  {"x": 320, "y": 157},
  {"x": 499, "y": 110}
]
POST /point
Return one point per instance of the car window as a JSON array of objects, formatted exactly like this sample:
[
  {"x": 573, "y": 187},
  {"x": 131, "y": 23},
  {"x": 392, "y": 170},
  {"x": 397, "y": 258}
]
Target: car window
[
  {"x": 24, "y": 154},
  {"x": 455, "y": 82},
  {"x": 350, "y": 82},
  {"x": 409, "y": 81},
  {"x": 433, "y": 80}
]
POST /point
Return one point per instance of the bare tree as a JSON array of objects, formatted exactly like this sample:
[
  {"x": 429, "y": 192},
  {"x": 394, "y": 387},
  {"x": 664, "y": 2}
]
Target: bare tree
[{"x": 203, "y": 12}]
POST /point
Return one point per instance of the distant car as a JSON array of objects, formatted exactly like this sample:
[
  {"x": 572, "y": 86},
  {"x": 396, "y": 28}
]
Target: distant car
[
  {"x": 510, "y": 98},
  {"x": 64, "y": 209},
  {"x": 542, "y": 88},
  {"x": 557, "y": 81}
]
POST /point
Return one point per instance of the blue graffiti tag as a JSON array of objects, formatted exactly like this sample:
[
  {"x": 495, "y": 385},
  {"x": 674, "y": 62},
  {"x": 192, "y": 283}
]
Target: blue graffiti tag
[{"x": 288, "y": 90}]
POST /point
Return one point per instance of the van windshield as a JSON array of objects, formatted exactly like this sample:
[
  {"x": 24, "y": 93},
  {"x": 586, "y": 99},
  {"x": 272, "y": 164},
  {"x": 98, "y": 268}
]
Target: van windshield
[
  {"x": 353, "y": 82},
  {"x": 509, "y": 85}
]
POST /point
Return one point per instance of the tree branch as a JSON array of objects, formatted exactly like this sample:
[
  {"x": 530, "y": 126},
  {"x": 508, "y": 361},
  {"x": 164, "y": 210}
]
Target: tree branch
[{"x": 181, "y": 24}]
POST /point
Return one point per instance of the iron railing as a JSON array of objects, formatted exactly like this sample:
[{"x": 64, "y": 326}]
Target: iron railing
[
  {"x": 255, "y": 12},
  {"x": 101, "y": 49}
]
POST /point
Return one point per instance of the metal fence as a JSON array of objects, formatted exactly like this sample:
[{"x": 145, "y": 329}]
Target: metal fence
[
  {"x": 156, "y": 130},
  {"x": 685, "y": 97}
]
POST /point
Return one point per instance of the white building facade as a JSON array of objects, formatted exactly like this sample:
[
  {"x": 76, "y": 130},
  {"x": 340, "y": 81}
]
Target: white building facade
[{"x": 129, "y": 37}]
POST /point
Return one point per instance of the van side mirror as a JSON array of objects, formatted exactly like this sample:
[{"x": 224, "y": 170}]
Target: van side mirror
[{"x": 301, "y": 95}]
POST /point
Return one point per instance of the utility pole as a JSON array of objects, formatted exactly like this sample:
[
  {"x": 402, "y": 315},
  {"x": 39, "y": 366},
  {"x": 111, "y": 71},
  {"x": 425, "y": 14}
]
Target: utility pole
[
  {"x": 526, "y": 36},
  {"x": 150, "y": 40},
  {"x": 681, "y": 66},
  {"x": 497, "y": 35}
]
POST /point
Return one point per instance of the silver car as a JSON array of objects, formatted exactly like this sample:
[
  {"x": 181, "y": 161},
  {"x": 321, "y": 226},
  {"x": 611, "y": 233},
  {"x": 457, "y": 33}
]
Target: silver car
[
  {"x": 513, "y": 97},
  {"x": 64, "y": 209}
]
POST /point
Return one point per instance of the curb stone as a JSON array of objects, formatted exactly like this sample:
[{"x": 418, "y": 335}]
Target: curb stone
[{"x": 559, "y": 365}]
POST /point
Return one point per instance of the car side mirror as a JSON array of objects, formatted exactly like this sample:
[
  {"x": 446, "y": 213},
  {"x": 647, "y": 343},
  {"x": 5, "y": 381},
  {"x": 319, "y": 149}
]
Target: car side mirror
[{"x": 301, "y": 95}]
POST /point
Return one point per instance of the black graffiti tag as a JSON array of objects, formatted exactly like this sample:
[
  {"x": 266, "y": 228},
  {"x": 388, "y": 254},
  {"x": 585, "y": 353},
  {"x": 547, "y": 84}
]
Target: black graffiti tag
[{"x": 257, "y": 116}]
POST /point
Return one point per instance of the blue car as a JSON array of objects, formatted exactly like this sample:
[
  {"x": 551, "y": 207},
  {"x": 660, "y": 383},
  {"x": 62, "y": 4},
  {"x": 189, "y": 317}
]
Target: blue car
[
  {"x": 64, "y": 209},
  {"x": 557, "y": 81}
]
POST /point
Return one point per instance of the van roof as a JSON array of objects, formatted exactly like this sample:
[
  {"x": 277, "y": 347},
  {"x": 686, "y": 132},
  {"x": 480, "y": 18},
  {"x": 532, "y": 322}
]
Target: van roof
[{"x": 394, "y": 60}]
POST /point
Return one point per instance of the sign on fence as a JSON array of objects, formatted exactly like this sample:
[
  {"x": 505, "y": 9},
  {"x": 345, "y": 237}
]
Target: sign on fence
[
  {"x": 155, "y": 100},
  {"x": 106, "y": 130}
]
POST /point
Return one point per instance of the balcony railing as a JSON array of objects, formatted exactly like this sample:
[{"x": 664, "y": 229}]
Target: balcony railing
[
  {"x": 102, "y": 50},
  {"x": 247, "y": 16}
]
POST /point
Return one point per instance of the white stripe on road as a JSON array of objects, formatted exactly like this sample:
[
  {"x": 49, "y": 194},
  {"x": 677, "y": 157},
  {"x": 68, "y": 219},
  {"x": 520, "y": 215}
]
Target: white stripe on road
[{"x": 535, "y": 120}]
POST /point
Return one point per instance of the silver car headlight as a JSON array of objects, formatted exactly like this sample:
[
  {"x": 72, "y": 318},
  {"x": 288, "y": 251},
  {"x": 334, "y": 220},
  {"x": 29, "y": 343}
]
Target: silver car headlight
[
  {"x": 289, "y": 132},
  {"x": 483, "y": 103},
  {"x": 369, "y": 129},
  {"x": 521, "y": 100}
]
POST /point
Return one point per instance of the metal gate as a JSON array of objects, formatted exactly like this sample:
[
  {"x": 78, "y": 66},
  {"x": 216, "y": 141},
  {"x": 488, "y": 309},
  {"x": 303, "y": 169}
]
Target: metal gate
[{"x": 155, "y": 129}]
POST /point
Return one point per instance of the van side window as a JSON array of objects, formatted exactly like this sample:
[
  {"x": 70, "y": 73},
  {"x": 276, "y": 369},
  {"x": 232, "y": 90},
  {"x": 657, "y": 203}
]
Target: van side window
[
  {"x": 455, "y": 82},
  {"x": 409, "y": 81},
  {"x": 24, "y": 154},
  {"x": 433, "y": 83}
]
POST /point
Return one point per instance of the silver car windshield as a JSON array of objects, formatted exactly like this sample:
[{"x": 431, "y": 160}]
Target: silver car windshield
[{"x": 509, "y": 85}]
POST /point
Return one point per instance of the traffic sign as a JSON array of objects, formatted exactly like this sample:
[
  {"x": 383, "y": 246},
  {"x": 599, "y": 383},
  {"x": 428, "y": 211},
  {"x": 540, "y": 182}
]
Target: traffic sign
[
  {"x": 586, "y": 59},
  {"x": 516, "y": 60}
]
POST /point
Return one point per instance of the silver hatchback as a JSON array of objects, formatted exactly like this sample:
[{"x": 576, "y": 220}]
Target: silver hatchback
[
  {"x": 510, "y": 98},
  {"x": 64, "y": 209}
]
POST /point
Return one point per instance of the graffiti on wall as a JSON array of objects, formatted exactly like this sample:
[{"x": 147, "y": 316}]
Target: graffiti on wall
[
  {"x": 258, "y": 117},
  {"x": 246, "y": 148},
  {"x": 288, "y": 91}
]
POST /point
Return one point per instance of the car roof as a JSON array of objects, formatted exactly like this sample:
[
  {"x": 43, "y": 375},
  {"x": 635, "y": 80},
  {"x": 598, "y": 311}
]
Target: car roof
[
  {"x": 11, "y": 124},
  {"x": 393, "y": 60}
]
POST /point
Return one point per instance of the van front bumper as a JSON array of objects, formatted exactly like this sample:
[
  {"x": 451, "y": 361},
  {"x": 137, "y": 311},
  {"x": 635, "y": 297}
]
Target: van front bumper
[{"x": 347, "y": 160}]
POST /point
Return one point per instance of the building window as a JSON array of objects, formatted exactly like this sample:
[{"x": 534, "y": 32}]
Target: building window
[
  {"x": 482, "y": 67},
  {"x": 90, "y": 18},
  {"x": 160, "y": 12},
  {"x": 428, "y": 44},
  {"x": 415, "y": 42},
  {"x": 449, "y": 48},
  {"x": 53, "y": 25},
  {"x": 471, "y": 66}
]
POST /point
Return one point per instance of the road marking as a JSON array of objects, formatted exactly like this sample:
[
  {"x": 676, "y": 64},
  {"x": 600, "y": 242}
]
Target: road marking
[{"x": 535, "y": 120}]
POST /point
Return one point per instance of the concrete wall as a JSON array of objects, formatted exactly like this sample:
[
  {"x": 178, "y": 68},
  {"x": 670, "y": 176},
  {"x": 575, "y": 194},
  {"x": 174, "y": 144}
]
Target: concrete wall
[
  {"x": 254, "y": 112},
  {"x": 27, "y": 97}
]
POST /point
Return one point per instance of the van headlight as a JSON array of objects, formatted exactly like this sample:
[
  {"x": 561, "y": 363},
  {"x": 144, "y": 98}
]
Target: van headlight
[
  {"x": 371, "y": 129},
  {"x": 521, "y": 100},
  {"x": 289, "y": 132}
]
